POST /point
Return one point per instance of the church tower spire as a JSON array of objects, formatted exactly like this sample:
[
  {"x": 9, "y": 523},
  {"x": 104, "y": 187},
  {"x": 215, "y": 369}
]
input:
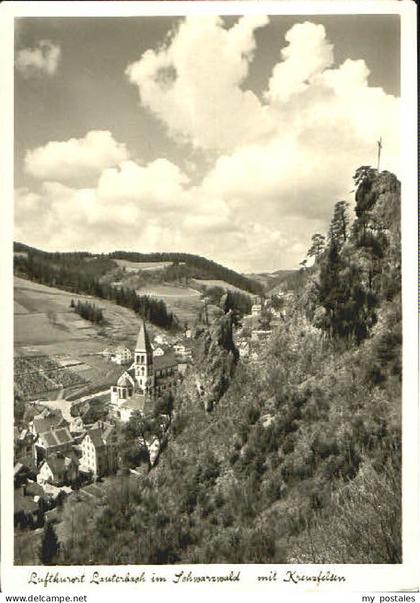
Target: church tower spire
[{"x": 143, "y": 361}]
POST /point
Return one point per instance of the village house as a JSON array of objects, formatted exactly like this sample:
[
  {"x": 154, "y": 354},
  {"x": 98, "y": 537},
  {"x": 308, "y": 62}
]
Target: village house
[
  {"x": 49, "y": 442},
  {"x": 47, "y": 420},
  {"x": 99, "y": 448},
  {"x": 147, "y": 378},
  {"x": 158, "y": 352},
  {"x": 21, "y": 473},
  {"x": 260, "y": 335},
  {"x": 256, "y": 310},
  {"x": 23, "y": 443},
  {"x": 58, "y": 470},
  {"x": 28, "y": 505},
  {"x": 122, "y": 355},
  {"x": 183, "y": 349}
]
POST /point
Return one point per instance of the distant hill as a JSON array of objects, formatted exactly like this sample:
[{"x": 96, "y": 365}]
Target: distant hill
[
  {"x": 186, "y": 265},
  {"x": 270, "y": 280},
  {"x": 172, "y": 266}
]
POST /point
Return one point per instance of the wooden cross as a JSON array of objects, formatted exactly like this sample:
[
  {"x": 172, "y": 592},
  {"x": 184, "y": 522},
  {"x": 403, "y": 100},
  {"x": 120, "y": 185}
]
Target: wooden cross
[{"x": 379, "y": 143}]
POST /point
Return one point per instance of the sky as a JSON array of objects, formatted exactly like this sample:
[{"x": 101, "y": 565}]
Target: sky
[{"x": 228, "y": 137}]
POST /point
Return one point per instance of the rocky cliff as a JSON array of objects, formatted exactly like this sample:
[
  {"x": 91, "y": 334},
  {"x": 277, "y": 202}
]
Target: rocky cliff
[{"x": 215, "y": 360}]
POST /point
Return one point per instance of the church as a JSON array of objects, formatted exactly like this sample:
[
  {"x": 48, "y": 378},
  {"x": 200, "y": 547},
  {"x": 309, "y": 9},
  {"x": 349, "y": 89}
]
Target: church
[{"x": 148, "y": 378}]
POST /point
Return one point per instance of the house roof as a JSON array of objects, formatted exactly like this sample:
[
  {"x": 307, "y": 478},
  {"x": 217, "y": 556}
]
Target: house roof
[
  {"x": 17, "y": 469},
  {"x": 100, "y": 433},
  {"x": 143, "y": 341},
  {"x": 28, "y": 462},
  {"x": 107, "y": 429},
  {"x": 95, "y": 435},
  {"x": 42, "y": 424},
  {"x": 33, "y": 489},
  {"x": 57, "y": 437},
  {"x": 24, "y": 503},
  {"x": 165, "y": 361},
  {"x": 108, "y": 432},
  {"x": 55, "y": 463}
]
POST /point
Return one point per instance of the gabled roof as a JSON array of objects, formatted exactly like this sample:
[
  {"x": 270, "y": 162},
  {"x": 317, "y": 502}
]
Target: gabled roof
[
  {"x": 100, "y": 433},
  {"x": 95, "y": 435},
  {"x": 56, "y": 464},
  {"x": 108, "y": 432},
  {"x": 43, "y": 424},
  {"x": 57, "y": 437},
  {"x": 107, "y": 429},
  {"x": 143, "y": 341},
  {"x": 126, "y": 379}
]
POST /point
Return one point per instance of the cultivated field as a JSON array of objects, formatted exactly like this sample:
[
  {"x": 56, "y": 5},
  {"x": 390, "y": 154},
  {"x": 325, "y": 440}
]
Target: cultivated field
[
  {"x": 185, "y": 302},
  {"x": 135, "y": 266},
  {"x": 208, "y": 283},
  {"x": 56, "y": 351}
]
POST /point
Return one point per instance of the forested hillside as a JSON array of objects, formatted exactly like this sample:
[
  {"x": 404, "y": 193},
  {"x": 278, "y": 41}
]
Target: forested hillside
[
  {"x": 102, "y": 277},
  {"x": 184, "y": 265},
  {"x": 72, "y": 273},
  {"x": 294, "y": 457},
  {"x": 193, "y": 266}
]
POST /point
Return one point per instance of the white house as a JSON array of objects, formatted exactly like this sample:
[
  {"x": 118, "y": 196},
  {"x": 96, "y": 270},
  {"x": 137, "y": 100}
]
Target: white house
[
  {"x": 58, "y": 469},
  {"x": 122, "y": 355},
  {"x": 99, "y": 450}
]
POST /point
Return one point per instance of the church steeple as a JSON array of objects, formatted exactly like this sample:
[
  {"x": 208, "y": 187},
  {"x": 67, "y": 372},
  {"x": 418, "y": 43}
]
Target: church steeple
[
  {"x": 143, "y": 361},
  {"x": 143, "y": 341}
]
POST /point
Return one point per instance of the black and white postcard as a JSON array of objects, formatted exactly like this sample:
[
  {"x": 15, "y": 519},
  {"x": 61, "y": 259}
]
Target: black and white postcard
[{"x": 209, "y": 378}]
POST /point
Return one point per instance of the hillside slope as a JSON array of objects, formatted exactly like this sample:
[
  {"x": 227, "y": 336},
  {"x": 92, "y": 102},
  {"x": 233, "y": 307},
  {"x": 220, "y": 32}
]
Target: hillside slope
[{"x": 299, "y": 448}]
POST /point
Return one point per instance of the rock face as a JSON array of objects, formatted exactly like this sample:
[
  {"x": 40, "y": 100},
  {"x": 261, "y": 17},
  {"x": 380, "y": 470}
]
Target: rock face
[
  {"x": 215, "y": 360},
  {"x": 378, "y": 228}
]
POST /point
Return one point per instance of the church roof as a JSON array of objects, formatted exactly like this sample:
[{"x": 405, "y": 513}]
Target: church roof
[
  {"x": 143, "y": 341},
  {"x": 125, "y": 380},
  {"x": 166, "y": 361}
]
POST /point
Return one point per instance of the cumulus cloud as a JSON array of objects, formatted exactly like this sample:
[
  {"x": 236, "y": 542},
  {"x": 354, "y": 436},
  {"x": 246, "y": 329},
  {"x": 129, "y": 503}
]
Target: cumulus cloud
[
  {"x": 157, "y": 186},
  {"x": 282, "y": 160},
  {"x": 306, "y": 56},
  {"x": 75, "y": 159},
  {"x": 192, "y": 84},
  {"x": 44, "y": 59}
]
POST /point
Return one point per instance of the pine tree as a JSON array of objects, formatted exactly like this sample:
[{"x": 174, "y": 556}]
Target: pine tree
[
  {"x": 50, "y": 546},
  {"x": 338, "y": 232},
  {"x": 318, "y": 246}
]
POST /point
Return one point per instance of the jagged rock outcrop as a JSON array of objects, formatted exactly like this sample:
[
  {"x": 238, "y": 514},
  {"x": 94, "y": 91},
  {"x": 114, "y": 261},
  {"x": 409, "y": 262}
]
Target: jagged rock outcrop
[
  {"x": 377, "y": 231},
  {"x": 215, "y": 360}
]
